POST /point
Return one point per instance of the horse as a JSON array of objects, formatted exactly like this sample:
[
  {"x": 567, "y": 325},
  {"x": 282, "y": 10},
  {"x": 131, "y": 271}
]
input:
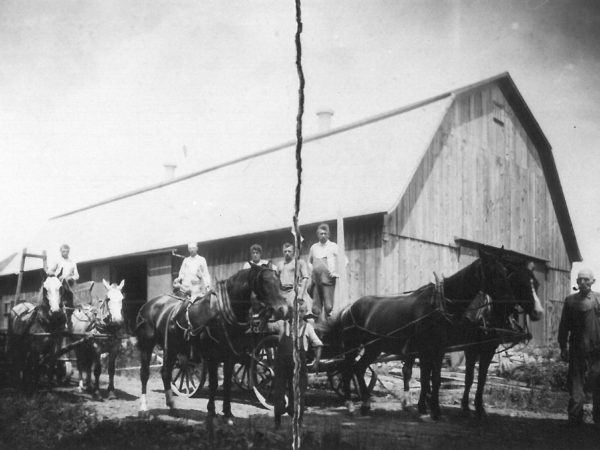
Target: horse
[
  {"x": 524, "y": 285},
  {"x": 481, "y": 343},
  {"x": 33, "y": 331},
  {"x": 209, "y": 327},
  {"x": 417, "y": 323},
  {"x": 106, "y": 320}
]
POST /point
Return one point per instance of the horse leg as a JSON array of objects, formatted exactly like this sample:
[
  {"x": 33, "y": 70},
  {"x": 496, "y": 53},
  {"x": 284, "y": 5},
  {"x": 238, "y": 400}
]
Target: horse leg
[
  {"x": 360, "y": 368},
  {"x": 112, "y": 359},
  {"x": 436, "y": 382},
  {"x": 97, "y": 364},
  {"x": 485, "y": 360},
  {"x": 426, "y": 369},
  {"x": 166, "y": 370},
  {"x": 407, "y": 368},
  {"x": 145, "y": 356},
  {"x": 227, "y": 379},
  {"x": 213, "y": 383},
  {"x": 79, "y": 358},
  {"x": 471, "y": 355},
  {"x": 346, "y": 371}
]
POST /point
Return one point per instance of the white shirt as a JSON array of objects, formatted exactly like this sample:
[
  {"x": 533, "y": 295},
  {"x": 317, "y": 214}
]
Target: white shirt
[
  {"x": 194, "y": 271},
  {"x": 327, "y": 250},
  {"x": 68, "y": 267},
  {"x": 306, "y": 332}
]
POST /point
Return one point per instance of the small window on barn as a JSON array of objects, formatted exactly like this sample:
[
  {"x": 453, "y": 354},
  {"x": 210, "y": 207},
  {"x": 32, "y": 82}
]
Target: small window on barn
[{"x": 498, "y": 113}]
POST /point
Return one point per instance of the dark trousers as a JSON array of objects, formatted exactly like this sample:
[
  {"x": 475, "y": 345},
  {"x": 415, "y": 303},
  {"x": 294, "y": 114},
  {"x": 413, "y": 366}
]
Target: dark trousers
[
  {"x": 283, "y": 383},
  {"x": 323, "y": 297},
  {"x": 583, "y": 373}
]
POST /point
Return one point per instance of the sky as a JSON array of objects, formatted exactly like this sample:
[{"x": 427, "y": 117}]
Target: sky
[{"x": 97, "y": 95}]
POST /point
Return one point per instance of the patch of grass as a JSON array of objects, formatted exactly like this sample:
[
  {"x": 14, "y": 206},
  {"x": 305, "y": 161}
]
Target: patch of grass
[{"x": 40, "y": 421}]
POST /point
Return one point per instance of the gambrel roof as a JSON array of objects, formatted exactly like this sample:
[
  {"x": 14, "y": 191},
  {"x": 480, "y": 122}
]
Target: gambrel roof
[{"x": 359, "y": 169}]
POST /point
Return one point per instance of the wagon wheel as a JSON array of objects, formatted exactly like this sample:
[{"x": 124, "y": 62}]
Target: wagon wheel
[
  {"x": 335, "y": 380},
  {"x": 241, "y": 374},
  {"x": 187, "y": 378},
  {"x": 262, "y": 370}
]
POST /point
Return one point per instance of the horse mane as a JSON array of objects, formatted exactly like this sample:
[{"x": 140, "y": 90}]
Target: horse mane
[
  {"x": 331, "y": 330},
  {"x": 457, "y": 289},
  {"x": 239, "y": 289}
]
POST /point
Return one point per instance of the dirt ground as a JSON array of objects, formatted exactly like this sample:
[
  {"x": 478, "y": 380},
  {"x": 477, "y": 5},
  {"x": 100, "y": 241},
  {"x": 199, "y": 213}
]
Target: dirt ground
[{"x": 327, "y": 421}]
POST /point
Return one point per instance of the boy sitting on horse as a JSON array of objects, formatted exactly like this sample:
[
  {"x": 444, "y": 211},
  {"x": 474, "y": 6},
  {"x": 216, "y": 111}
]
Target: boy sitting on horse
[{"x": 66, "y": 270}]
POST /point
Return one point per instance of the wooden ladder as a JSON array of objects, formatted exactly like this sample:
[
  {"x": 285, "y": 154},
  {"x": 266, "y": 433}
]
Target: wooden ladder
[{"x": 24, "y": 256}]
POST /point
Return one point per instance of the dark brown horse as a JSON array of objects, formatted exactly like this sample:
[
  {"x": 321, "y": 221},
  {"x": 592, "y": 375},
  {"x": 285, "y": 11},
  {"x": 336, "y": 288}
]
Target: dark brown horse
[
  {"x": 418, "y": 323},
  {"x": 481, "y": 340},
  {"x": 34, "y": 332},
  {"x": 104, "y": 324},
  {"x": 524, "y": 286},
  {"x": 211, "y": 327}
]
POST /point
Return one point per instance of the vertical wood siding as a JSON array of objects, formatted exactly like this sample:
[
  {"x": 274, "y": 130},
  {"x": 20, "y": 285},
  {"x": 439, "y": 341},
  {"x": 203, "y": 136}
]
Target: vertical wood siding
[{"x": 481, "y": 179}]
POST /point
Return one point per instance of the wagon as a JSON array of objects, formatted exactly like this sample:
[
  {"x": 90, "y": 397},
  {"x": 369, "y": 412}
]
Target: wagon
[
  {"x": 35, "y": 352},
  {"x": 255, "y": 370}
]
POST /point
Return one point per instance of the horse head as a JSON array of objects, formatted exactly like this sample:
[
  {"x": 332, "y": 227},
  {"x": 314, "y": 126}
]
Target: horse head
[
  {"x": 265, "y": 285},
  {"x": 525, "y": 285},
  {"x": 495, "y": 280},
  {"x": 111, "y": 310},
  {"x": 486, "y": 274},
  {"x": 52, "y": 294}
]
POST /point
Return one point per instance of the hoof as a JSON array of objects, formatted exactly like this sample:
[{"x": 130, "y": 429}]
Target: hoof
[
  {"x": 350, "y": 407},
  {"x": 228, "y": 420},
  {"x": 96, "y": 396},
  {"x": 144, "y": 414},
  {"x": 111, "y": 395},
  {"x": 425, "y": 418}
]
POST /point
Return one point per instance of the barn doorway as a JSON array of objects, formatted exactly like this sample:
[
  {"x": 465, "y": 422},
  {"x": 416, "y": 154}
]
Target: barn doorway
[{"x": 133, "y": 271}]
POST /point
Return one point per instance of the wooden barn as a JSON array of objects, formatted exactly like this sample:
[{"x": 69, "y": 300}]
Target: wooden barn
[{"x": 406, "y": 193}]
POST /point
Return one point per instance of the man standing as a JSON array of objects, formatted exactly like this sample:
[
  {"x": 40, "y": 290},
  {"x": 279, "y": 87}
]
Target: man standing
[
  {"x": 194, "y": 278},
  {"x": 283, "y": 381},
  {"x": 323, "y": 257},
  {"x": 580, "y": 328},
  {"x": 287, "y": 272}
]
